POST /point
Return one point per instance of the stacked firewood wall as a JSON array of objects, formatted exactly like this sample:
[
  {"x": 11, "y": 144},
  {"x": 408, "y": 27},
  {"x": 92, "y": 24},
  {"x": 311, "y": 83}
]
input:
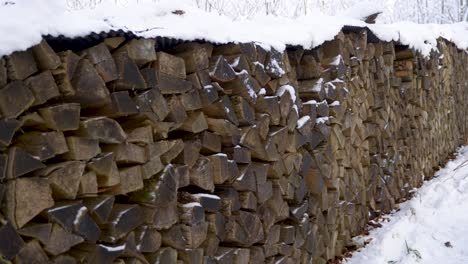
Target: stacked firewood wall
[{"x": 122, "y": 153}]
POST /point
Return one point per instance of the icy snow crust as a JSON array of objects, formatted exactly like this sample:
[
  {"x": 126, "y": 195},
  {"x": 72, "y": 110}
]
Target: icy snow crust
[
  {"x": 431, "y": 225},
  {"x": 25, "y": 22}
]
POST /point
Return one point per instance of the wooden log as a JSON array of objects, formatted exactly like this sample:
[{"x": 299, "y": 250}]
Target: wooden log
[
  {"x": 43, "y": 145},
  {"x": 43, "y": 87},
  {"x": 104, "y": 129},
  {"x": 45, "y": 56},
  {"x": 8, "y": 128},
  {"x": 177, "y": 113},
  {"x": 63, "y": 117},
  {"x": 182, "y": 236},
  {"x": 170, "y": 65},
  {"x": 131, "y": 180},
  {"x": 194, "y": 55},
  {"x": 11, "y": 243},
  {"x": 121, "y": 105},
  {"x": 195, "y": 123},
  {"x": 73, "y": 217},
  {"x": 88, "y": 184},
  {"x": 102, "y": 60},
  {"x": 65, "y": 72},
  {"x": 141, "y": 135},
  {"x": 239, "y": 63},
  {"x": 220, "y": 167},
  {"x": 308, "y": 68},
  {"x": 190, "y": 153},
  {"x": 82, "y": 148},
  {"x": 40, "y": 232},
  {"x": 21, "y": 64},
  {"x": 208, "y": 95},
  {"x": 191, "y": 100},
  {"x": 152, "y": 101},
  {"x": 201, "y": 174},
  {"x": 246, "y": 180},
  {"x": 222, "y": 109},
  {"x": 312, "y": 89},
  {"x": 270, "y": 106},
  {"x": 127, "y": 153},
  {"x": 176, "y": 147},
  {"x": 248, "y": 201},
  {"x": 260, "y": 74},
  {"x": 172, "y": 85},
  {"x": 244, "y": 229},
  {"x": 244, "y": 112},
  {"x": 163, "y": 255},
  {"x": 129, "y": 76},
  {"x": 147, "y": 239},
  {"x": 100, "y": 207},
  {"x": 89, "y": 88},
  {"x": 210, "y": 142},
  {"x": 20, "y": 163},
  {"x": 64, "y": 178},
  {"x": 220, "y": 70},
  {"x": 106, "y": 170},
  {"x": 141, "y": 50},
  {"x": 123, "y": 219},
  {"x": 15, "y": 98},
  {"x": 194, "y": 256},
  {"x": 61, "y": 241},
  {"x": 22, "y": 203},
  {"x": 232, "y": 255},
  {"x": 274, "y": 64},
  {"x": 245, "y": 86},
  {"x": 32, "y": 252}
]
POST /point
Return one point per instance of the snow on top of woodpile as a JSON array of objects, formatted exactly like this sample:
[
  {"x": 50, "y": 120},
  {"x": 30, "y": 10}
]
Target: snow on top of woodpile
[{"x": 25, "y": 22}]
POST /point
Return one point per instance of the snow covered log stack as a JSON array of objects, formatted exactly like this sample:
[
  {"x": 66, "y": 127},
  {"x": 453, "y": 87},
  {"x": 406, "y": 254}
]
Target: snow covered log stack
[{"x": 123, "y": 153}]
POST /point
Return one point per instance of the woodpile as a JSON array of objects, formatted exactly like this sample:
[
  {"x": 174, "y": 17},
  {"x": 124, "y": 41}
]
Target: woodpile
[{"x": 123, "y": 153}]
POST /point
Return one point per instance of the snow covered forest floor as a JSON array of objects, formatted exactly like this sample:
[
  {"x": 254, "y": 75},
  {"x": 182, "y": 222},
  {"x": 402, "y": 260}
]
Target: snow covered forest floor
[{"x": 429, "y": 228}]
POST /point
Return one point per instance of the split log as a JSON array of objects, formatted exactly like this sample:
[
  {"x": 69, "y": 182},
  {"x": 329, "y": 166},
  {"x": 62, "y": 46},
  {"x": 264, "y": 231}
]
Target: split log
[
  {"x": 43, "y": 145},
  {"x": 89, "y": 88},
  {"x": 21, "y": 64},
  {"x": 106, "y": 170},
  {"x": 11, "y": 244},
  {"x": 24, "y": 203},
  {"x": 122, "y": 219},
  {"x": 129, "y": 76},
  {"x": 64, "y": 178},
  {"x": 61, "y": 241},
  {"x": 15, "y": 98},
  {"x": 102, "y": 60},
  {"x": 63, "y": 117},
  {"x": 104, "y": 129},
  {"x": 170, "y": 65},
  {"x": 8, "y": 128},
  {"x": 43, "y": 87},
  {"x": 45, "y": 56}
]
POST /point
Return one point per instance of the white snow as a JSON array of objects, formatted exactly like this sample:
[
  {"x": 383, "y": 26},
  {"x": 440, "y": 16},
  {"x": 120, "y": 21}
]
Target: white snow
[
  {"x": 24, "y": 22},
  {"x": 438, "y": 214},
  {"x": 193, "y": 204},
  {"x": 321, "y": 120},
  {"x": 206, "y": 195},
  {"x": 302, "y": 121},
  {"x": 262, "y": 91},
  {"x": 113, "y": 249},
  {"x": 83, "y": 210},
  {"x": 282, "y": 89}
]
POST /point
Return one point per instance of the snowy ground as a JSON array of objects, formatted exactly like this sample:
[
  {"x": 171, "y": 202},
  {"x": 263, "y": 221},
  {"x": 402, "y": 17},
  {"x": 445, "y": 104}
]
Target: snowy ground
[
  {"x": 430, "y": 228},
  {"x": 147, "y": 18}
]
